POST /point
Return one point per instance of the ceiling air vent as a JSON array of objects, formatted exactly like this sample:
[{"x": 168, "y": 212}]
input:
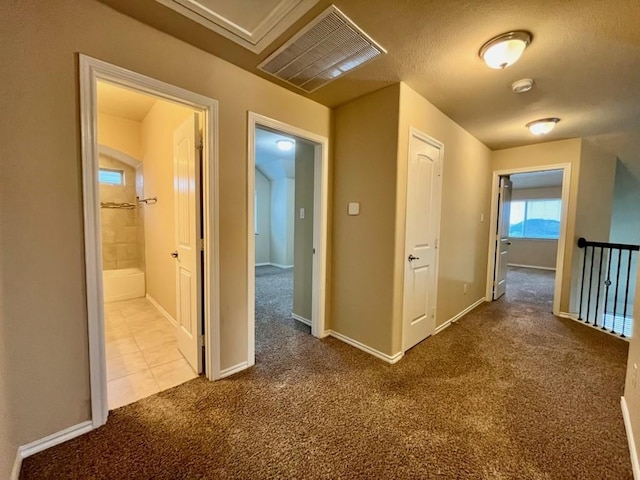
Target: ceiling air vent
[{"x": 327, "y": 48}]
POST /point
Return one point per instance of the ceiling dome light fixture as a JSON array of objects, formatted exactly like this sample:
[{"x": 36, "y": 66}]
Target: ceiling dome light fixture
[
  {"x": 285, "y": 145},
  {"x": 542, "y": 126},
  {"x": 505, "y": 49}
]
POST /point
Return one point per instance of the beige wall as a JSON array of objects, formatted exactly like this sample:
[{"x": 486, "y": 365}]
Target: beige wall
[
  {"x": 281, "y": 228},
  {"x": 365, "y": 169},
  {"x": 466, "y": 195},
  {"x": 44, "y": 256},
  {"x": 544, "y": 154},
  {"x": 119, "y": 227},
  {"x": 632, "y": 384},
  {"x": 303, "y": 230},
  {"x": 535, "y": 252},
  {"x": 594, "y": 207},
  {"x": 159, "y": 222},
  {"x": 120, "y": 133},
  {"x": 263, "y": 218}
]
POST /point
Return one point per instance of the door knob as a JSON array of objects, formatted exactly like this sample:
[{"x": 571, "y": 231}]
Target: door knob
[
  {"x": 412, "y": 258},
  {"x": 174, "y": 254}
]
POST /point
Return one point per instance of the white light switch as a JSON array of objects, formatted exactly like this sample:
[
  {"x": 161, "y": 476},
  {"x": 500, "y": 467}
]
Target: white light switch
[
  {"x": 354, "y": 208},
  {"x": 302, "y": 213}
]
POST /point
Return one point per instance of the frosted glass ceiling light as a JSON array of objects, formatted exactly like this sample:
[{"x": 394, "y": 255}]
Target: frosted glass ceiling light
[
  {"x": 542, "y": 126},
  {"x": 284, "y": 145},
  {"x": 505, "y": 49}
]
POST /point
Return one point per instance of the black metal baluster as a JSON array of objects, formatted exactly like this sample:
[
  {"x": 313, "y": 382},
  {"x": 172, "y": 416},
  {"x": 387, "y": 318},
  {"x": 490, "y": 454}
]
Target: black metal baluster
[
  {"x": 626, "y": 294},
  {"x": 584, "y": 266},
  {"x": 595, "y": 323},
  {"x": 593, "y": 250},
  {"x": 606, "y": 293},
  {"x": 615, "y": 303}
]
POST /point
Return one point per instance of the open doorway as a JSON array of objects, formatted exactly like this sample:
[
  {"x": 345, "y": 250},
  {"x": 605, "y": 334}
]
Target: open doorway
[
  {"x": 527, "y": 242},
  {"x": 150, "y": 204},
  {"x": 150, "y": 235},
  {"x": 287, "y": 229}
]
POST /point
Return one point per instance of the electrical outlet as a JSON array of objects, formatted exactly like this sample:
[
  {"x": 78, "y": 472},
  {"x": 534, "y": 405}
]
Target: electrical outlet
[{"x": 465, "y": 288}]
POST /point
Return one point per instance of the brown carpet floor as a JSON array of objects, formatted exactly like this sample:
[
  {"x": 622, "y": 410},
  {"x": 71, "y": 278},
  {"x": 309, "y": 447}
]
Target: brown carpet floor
[{"x": 508, "y": 392}]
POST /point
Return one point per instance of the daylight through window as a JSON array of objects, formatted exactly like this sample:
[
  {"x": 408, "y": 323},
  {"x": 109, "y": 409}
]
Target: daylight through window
[
  {"x": 111, "y": 177},
  {"x": 535, "y": 218}
]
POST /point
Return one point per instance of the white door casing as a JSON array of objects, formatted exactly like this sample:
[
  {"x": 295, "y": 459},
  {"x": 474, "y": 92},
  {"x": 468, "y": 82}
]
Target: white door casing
[
  {"x": 186, "y": 185},
  {"x": 424, "y": 186},
  {"x": 502, "y": 238}
]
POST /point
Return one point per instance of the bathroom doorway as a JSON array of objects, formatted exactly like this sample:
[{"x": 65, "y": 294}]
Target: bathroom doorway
[
  {"x": 151, "y": 219},
  {"x": 148, "y": 156}
]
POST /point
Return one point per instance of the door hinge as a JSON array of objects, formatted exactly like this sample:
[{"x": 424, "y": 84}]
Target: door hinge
[
  {"x": 435, "y": 244},
  {"x": 200, "y": 146},
  {"x": 202, "y": 340},
  {"x": 201, "y": 244},
  {"x": 314, "y": 251}
]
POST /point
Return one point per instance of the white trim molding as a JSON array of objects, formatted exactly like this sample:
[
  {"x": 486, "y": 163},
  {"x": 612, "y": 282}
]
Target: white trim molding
[
  {"x": 164, "y": 313},
  {"x": 47, "y": 442},
  {"x": 562, "y": 239},
  {"x": 320, "y": 235},
  {"x": 536, "y": 267},
  {"x": 227, "y": 372},
  {"x": 635, "y": 464},
  {"x": 371, "y": 351},
  {"x": 297, "y": 317},
  {"x": 457, "y": 317},
  {"x": 92, "y": 71}
]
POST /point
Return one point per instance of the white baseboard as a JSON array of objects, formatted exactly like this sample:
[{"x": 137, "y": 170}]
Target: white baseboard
[
  {"x": 531, "y": 266},
  {"x": 280, "y": 265},
  {"x": 372, "y": 351},
  {"x": 306, "y": 321},
  {"x": 635, "y": 465},
  {"x": 262, "y": 264},
  {"x": 162, "y": 310},
  {"x": 227, "y": 372},
  {"x": 47, "y": 442},
  {"x": 574, "y": 317},
  {"x": 460, "y": 315}
]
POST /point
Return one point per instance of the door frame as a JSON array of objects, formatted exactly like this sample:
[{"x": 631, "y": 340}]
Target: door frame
[
  {"x": 320, "y": 211},
  {"x": 92, "y": 70},
  {"x": 415, "y": 133},
  {"x": 562, "y": 239}
]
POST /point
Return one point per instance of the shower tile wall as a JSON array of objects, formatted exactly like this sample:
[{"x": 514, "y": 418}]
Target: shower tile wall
[{"x": 120, "y": 248}]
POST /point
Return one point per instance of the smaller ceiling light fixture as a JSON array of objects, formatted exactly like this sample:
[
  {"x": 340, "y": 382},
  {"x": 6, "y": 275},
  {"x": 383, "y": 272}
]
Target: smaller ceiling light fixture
[
  {"x": 505, "y": 49},
  {"x": 285, "y": 145},
  {"x": 542, "y": 126}
]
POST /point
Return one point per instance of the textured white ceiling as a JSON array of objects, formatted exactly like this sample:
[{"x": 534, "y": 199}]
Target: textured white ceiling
[{"x": 585, "y": 59}]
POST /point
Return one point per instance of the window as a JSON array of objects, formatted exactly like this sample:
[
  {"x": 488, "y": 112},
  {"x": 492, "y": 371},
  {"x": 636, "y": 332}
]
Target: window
[
  {"x": 535, "y": 218},
  {"x": 110, "y": 176}
]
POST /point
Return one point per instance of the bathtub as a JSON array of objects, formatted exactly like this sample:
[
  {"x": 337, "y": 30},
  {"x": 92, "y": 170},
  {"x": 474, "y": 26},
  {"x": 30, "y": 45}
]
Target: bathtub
[{"x": 123, "y": 284}]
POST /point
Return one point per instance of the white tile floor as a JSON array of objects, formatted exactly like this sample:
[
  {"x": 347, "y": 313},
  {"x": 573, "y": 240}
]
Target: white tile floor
[{"x": 142, "y": 355}]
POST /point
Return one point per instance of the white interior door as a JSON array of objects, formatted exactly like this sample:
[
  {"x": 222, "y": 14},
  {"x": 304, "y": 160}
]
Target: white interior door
[
  {"x": 502, "y": 238},
  {"x": 423, "y": 220},
  {"x": 186, "y": 184}
]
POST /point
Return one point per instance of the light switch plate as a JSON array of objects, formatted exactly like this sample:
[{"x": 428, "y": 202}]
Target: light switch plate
[{"x": 354, "y": 208}]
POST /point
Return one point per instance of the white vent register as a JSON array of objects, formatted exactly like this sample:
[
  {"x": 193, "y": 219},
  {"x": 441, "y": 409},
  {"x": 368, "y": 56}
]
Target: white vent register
[{"x": 330, "y": 46}]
